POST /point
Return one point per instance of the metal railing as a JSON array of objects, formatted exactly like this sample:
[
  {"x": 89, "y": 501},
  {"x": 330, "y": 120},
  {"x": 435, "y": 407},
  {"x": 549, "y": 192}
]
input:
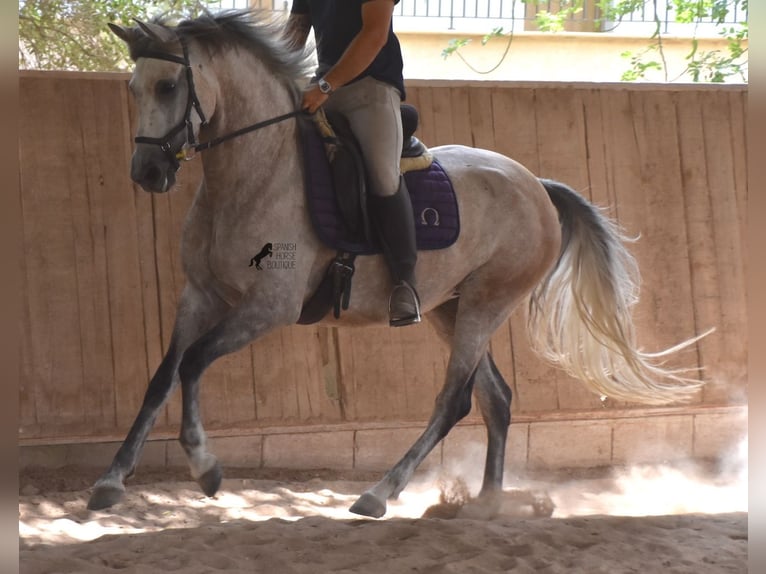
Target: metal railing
[
  {"x": 465, "y": 15},
  {"x": 481, "y": 16}
]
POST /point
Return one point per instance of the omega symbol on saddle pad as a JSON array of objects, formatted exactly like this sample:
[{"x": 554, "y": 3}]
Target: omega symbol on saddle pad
[{"x": 429, "y": 217}]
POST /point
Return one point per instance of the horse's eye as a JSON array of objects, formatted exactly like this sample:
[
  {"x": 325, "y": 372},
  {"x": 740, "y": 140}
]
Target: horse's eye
[{"x": 165, "y": 87}]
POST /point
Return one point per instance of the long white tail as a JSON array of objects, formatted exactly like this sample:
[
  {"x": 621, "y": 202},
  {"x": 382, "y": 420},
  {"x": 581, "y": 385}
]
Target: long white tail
[{"x": 579, "y": 316}]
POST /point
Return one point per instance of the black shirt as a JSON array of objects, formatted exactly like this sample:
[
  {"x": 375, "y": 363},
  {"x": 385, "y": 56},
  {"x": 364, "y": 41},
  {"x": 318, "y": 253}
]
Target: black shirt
[{"x": 336, "y": 23}]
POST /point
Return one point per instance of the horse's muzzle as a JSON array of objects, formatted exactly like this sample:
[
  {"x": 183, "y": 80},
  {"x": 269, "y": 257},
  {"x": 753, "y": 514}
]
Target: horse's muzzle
[{"x": 151, "y": 169}]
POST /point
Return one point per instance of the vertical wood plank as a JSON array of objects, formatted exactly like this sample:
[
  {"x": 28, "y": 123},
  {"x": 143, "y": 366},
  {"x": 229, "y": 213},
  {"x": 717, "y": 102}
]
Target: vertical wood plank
[
  {"x": 620, "y": 167},
  {"x": 427, "y": 129},
  {"x": 131, "y": 371},
  {"x": 707, "y": 304},
  {"x": 461, "y": 116},
  {"x": 560, "y": 125},
  {"x": 515, "y": 135},
  {"x": 275, "y": 396},
  {"x": 226, "y": 392},
  {"x": 105, "y": 176},
  {"x": 373, "y": 370},
  {"x": 289, "y": 378},
  {"x": 562, "y": 155},
  {"x": 647, "y": 183},
  {"x": 413, "y": 99},
  {"x": 599, "y": 191},
  {"x": 316, "y": 402},
  {"x": 49, "y": 157},
  {"x": 424, "y": 369},
  {"x": 515, "y": 126},
  {"x": 738, "y": 122},
  {"x": 482, "y": 118},
  {"x": 28, "y": 426},
  {"x": 738, "y": 111},
  {"x": 729, "y": 371},
  {"x": 442, "y": 117}
]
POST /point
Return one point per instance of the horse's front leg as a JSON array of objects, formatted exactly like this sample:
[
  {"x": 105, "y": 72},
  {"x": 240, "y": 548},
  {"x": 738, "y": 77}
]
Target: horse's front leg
[
  {"x": 196, "y": 313},
  {"x": 241, "y": 325}
]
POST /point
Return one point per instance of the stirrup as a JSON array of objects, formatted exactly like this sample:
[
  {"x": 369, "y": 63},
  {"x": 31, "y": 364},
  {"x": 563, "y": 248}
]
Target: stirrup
[{"x": 410, "y": 318}]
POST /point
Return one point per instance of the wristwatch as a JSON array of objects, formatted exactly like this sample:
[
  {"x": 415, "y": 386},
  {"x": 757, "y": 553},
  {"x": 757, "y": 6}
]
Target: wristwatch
[{"x": 324, "y": 86}]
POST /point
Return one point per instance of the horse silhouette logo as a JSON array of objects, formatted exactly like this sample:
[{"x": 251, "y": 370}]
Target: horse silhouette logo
[{"x": 265, "y": 250}]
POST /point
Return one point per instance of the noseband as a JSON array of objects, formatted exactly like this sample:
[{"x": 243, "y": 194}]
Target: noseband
[{"x": 191, "y": 146}]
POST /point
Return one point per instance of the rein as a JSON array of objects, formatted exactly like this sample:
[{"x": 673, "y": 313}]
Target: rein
[
  {"x": 192, "y": 146},
  {"x": 251, "y": 128}
]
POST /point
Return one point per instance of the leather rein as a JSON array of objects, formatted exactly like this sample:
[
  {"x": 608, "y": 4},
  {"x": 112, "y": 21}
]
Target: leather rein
[{"x": 191, "y": 146}]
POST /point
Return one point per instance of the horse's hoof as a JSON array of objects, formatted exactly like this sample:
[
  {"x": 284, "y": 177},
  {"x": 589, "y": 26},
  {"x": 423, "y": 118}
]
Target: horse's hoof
[
  {"x": 369, "y": 505},
  {"x": 105, "y": 495},
  {"x": 210, "y": 480}
]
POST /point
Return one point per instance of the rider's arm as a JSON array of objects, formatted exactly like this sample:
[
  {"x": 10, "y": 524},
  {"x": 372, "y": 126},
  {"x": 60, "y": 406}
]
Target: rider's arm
[{"x": 376, "y": 20}]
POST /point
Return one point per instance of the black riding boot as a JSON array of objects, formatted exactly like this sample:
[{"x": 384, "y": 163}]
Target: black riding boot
[{"x": 395, "y": 223}]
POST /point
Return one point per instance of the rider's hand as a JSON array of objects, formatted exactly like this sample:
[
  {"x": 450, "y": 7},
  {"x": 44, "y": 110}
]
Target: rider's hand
[{"x": 313, "y": 98}]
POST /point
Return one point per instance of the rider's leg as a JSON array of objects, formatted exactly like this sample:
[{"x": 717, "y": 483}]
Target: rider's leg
[
  {"x": 373, "y": 112},
  {"x": 395, "y": 224}
]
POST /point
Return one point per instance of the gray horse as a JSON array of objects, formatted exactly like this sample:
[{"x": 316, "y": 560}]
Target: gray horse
[{"x": 521, "y": 237}]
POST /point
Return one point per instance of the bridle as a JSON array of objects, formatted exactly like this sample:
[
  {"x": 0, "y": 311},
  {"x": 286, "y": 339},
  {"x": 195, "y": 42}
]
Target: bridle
[{"x": 191, "y": 146}]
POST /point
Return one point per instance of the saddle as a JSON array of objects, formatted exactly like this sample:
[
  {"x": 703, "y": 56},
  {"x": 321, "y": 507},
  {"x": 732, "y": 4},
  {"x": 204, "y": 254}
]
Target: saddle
[
  {"x": 336, "y": 191},
  {"x": 348, "y": 173}
]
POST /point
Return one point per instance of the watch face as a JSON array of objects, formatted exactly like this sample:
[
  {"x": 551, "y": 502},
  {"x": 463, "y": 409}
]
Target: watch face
[{"x": 324, "y": 86}]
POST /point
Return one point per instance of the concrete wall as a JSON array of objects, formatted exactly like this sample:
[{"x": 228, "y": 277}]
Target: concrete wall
[
  {"x": 712, "y": 434},
  {"x": 544, "y": 57}
]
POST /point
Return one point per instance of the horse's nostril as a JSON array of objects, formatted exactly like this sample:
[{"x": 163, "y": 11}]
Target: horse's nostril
[{"x": 152, "y": 174}]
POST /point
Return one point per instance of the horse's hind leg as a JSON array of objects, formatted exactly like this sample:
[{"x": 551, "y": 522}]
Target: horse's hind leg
[
  {"x": 476, "y": 320},
  {"x": 493, "y": 397},
  {"x": 196, "y": 312}
]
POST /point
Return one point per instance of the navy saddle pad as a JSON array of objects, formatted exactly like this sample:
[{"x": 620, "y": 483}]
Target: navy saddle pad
[{"x": 437, "y": 223}]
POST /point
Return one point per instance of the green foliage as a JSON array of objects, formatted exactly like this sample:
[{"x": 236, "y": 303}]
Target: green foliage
[
  {"x": 616, "y": 10},
  {"x": 638, "y": 66},
  {"x": 73, "y": 34},
  {"x": 495, "y": 33},
  {"x": 554, "y": 21},
  {"x": 708, "y": 66},
  {"x": 454, "y": 45},
  {"x": 716, "y": 66}
]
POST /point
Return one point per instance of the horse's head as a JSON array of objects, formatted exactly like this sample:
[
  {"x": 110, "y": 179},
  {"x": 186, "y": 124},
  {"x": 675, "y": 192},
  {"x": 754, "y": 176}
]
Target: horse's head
[{"x": 170, "y": 101}]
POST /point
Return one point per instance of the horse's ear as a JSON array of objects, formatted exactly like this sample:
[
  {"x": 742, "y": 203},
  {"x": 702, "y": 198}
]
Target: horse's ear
[
  {"x": 156, "y": 32},
  {"x": 127, "y": 35}
]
